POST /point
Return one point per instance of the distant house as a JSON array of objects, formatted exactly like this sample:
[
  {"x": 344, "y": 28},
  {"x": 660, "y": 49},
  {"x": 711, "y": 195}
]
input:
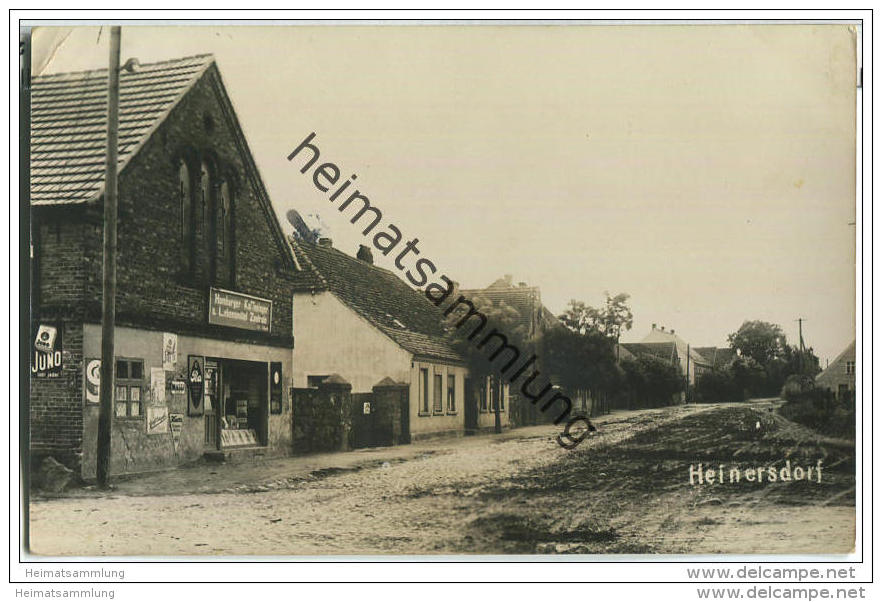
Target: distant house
[
  {"x": 363, "y": 323},
  {"x": 667, "y": 352},
  {"x": 534, "y": 317},
  {"x": 718, "y": 357},
  {"x": 692, "y": 364},
  {"x": 839, "y": 376}
]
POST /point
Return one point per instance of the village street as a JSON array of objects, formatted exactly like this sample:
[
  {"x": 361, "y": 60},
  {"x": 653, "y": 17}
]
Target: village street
[{"x": 625, "y": 489}]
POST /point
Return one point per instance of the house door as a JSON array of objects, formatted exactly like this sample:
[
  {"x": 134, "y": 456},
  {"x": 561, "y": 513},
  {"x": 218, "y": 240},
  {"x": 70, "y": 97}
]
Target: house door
[
  {"x": 842, "y": 394},
  {"x": 470, "y": 407}
]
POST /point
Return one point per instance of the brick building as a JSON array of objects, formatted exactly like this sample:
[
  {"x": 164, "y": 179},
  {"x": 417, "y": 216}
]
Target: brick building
[{"x": 204, "y": 332}]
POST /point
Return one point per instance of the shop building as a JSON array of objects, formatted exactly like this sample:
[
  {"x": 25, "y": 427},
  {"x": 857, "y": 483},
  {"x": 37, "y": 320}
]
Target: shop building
[{"x": 204, "y": 340}]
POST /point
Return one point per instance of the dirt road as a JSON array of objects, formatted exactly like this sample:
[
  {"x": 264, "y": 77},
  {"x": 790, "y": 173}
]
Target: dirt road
[{"x": 626, "y": 489}]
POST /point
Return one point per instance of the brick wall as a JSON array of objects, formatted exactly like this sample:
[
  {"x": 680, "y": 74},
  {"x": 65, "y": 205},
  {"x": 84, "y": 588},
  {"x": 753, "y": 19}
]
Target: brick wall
[{"x": 55, "y": 405}]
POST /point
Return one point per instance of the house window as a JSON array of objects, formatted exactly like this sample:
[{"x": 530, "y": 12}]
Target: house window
[
  {"x": 424, "y": 390},
  {"x": 129, "y": 379},
  {"x": 501, "y": 397},
  {"x": 451, "y": 393},
  {"x": 437, "y": 398},
  {"x": 494, "y": 394},
  {"x": 849, "y": 367},
  {"x": 482, "y": 396},
  {"x": 186, "y": 232},
  {"x": 314, "y": 380}
]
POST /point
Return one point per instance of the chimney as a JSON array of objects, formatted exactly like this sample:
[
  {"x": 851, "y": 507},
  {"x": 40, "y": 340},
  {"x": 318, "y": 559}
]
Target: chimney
[
  {"x": 672, "y": 331},
  {"x": 662, "y": 329},
  {"x": 364, "y": 254},
  {"x": 508, "y": 278},
  {"x": 326, "y": 242}
]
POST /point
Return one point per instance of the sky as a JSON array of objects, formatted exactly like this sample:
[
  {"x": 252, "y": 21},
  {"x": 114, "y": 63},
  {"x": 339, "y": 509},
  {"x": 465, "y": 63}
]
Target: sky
[{"x": 706, "y": 170}]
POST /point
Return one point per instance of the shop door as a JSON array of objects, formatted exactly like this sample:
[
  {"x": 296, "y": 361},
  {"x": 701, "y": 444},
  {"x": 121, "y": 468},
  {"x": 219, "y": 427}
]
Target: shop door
[
  {"x": 244, "y": 403},
  {"x": 210, "y": 403}
]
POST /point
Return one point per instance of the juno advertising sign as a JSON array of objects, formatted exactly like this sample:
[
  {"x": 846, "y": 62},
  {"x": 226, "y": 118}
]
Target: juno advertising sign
[
  {"x": 46, "y": 360},
  {"x": 228, "y": 308}
]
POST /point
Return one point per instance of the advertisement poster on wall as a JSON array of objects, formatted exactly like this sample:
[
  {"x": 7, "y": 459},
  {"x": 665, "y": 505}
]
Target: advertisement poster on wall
[
  {"x": 92, "y": 380},
  {"x": 46, "y": 359},
  {"x": 169, "y": 351},
  {"x": 195, "y": 383},
  {"x": 157, "y": 420}
]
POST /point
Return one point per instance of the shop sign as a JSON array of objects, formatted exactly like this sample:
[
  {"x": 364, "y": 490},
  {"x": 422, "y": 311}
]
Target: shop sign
[
  {"x": 276, "y": 387},
  {"x": 176, "y": 424},
  {"x": 157, "y": 420},
  {"x": 366, "y": 408},
  {"x": 178, "y": 386},
  {"x": 46, "y": 360},
  {"x": 93, "y": 380},
  {"x": 195, "y": 382},
  {"x": 169, "y": 351},
  {"x": 228, "y": 308}
]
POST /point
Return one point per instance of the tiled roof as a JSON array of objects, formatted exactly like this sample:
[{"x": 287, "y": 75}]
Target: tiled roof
[
  {"x": 665, "y": 336},
  {"x": 378, "y": 295},
  {"x": 663, "y": 351},
  {"x": 836, "y": 367},
  {"x": 69, "y": 123},
  {"x": 525, "y": 300},
  {"x": 717, "y": 356}
]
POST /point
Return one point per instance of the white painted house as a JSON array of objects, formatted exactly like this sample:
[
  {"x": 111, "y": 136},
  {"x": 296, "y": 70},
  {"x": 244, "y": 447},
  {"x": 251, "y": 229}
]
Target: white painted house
[{"x": 365, "y": 324}]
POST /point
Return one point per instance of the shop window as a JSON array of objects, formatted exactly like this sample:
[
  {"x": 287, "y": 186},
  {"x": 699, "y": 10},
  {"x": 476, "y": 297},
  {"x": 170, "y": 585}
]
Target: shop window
[
  {"x": 424, "y": 390},
  {"x": 451, "y": 393},
  {"x": 129, "y": 380},
  {"x": 186, "y": 221},
  {"x": 494, "y": 393},
  {"x": 437, "y": 399},
  {"x": 482, "y": 396}
]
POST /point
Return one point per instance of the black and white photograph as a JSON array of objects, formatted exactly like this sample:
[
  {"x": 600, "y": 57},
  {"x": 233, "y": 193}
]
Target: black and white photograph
[{"x": 443, "y": 290}]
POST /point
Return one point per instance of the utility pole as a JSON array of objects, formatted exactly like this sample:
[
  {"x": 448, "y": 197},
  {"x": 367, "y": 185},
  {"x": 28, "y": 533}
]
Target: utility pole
[
  {"x": 801, "y": 348},
  {"x": 687, "y": 372},
  {"x": 108, "y": 292}
]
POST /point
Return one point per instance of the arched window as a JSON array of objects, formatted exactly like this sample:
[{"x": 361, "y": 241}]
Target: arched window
[
  {"x": 186, "y": 233},
  {"x": 225, "y": 233},
  {"x": 208, "y": 227}
]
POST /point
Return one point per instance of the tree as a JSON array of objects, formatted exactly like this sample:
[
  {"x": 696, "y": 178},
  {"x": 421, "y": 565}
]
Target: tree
[
  {"x": 608, "y": 320},
  {"x": 652, "y": 381},
  {"x": 760, "y": 341}
]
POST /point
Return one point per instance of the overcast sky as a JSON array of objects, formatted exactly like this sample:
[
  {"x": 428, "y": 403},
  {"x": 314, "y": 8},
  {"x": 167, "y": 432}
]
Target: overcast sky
[{"x": 706, "y": 170}]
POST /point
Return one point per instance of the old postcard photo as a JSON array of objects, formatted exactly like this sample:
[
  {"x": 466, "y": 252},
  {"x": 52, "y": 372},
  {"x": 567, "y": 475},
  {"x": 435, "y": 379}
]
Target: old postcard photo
[{"x": 442, "y": 289}]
